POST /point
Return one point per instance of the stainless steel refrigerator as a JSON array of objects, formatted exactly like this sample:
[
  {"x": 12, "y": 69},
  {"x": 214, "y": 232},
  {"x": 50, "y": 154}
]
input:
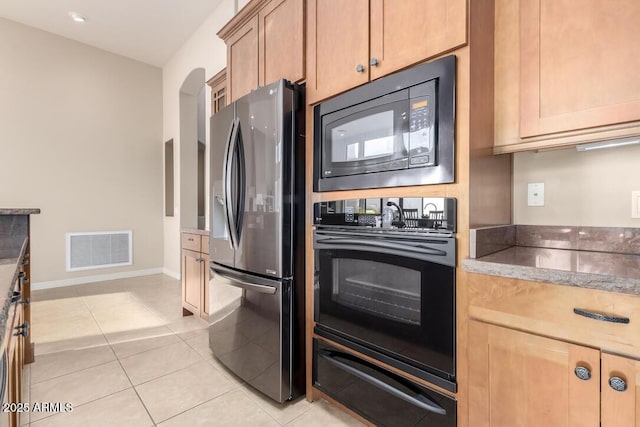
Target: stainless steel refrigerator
[{"x": 257, "y": 239}]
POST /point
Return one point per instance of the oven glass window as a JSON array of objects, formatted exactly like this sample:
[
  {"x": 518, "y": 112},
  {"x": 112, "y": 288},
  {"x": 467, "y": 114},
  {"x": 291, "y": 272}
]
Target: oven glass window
[{"x": 382, "y": 290}]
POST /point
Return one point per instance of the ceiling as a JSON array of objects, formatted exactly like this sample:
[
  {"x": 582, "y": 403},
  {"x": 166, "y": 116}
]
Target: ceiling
[{"x": 150, "y": 31}]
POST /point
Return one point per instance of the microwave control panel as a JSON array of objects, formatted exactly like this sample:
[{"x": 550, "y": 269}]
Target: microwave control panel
[{"x": 421, "y": 133}]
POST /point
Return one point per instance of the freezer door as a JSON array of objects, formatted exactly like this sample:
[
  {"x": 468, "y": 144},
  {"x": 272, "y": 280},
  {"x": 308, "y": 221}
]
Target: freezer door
[
  {"x": 220, "y": 245},
  {"x": 251, "y": 329},
  {"x": 266, "y": 127}
]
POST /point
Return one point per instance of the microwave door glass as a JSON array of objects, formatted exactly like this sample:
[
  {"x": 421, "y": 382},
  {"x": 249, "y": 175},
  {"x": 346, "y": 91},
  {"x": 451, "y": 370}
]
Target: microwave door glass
[{"x": 368, "y": 141}]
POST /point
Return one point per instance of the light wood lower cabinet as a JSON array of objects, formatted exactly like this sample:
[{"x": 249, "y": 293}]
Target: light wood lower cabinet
[
  {"x": 14, "y": 353},
  {"x": 534, "y": 361},
  {"x": 521, "y": 379},
  {"x": 195, "y": 275}
]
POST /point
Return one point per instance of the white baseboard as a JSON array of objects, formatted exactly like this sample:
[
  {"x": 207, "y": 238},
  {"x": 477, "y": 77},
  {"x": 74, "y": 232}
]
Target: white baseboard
[
  {"x": 97, "y": 278},
  {"x": 171, "y": 273}
]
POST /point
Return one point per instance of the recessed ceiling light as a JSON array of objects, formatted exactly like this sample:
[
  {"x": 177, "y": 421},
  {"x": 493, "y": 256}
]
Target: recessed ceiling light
[{"x": 77, "y": 17}]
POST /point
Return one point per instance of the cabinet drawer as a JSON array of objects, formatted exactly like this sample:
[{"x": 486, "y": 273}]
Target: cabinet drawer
[
  {"x": 548, "y": 310},
  {"x": 191, "y": 242}
]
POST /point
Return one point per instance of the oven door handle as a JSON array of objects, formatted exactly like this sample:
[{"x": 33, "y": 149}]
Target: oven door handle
[
  {"x": 418, "y": 399},
  {"x": 407, "y": 247}
]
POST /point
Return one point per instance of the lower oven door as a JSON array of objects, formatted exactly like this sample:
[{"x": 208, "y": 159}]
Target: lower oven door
[
  {"x": 393, "y": 301},
  {"x": 382, "y": 397}
]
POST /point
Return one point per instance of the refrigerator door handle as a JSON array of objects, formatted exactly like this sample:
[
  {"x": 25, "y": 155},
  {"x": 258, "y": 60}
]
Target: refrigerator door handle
[
  {"x": 263, "y": 289},
  {"x": 227, "y": 174},
  {"x": 241, "y": 184}
]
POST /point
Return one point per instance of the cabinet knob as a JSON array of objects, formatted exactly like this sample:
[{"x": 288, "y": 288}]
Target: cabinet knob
[
  {"x": 373, "y": 62},
  {"x": 22, "y": 330},
  {"x": 583, "y": 373},
  {"x": 617, "y": 383},
  {"x": 360, "y": 68}
]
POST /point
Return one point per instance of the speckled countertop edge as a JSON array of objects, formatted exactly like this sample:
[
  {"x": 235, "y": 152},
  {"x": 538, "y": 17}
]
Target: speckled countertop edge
[
  {"x": 19, "y": 211},
  {"x": 8, "y": 278},
  {"x": 195, "y": 231},
  {"x": 605, "y": 282}
]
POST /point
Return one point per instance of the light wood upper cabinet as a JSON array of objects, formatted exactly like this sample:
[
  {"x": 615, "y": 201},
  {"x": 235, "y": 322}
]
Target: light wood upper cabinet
[
  {"x": 350, "y": 42},
  {"x": 519, "y": 379},
  {"x": 407, "y": 32},
  {"x": 281, "y": 41},
  {"x": 242, "y": 60},
  {"x": 566, "y": 72},
  {"x": 265, "y": 42},
  {"x": 337, "y": 46}
]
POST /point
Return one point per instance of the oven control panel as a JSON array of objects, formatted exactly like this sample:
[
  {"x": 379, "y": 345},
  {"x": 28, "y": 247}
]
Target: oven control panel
[{"x": 417, "y": 214}]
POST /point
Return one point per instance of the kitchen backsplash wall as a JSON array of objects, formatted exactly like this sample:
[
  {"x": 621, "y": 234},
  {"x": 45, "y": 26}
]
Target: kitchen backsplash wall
[{"x": 581, "y": 188}]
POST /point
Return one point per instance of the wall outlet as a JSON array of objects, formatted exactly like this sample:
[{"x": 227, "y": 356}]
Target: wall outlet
[
  {"x": 635, "y": 204},
  {"x": 535, "y": 194}
]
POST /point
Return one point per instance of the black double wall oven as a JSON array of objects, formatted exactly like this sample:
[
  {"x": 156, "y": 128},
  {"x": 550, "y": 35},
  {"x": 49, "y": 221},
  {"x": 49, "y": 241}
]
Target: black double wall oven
[{"x": 385, "y": 287}]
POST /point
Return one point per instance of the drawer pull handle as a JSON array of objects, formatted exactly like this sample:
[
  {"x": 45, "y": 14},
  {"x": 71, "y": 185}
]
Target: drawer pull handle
[
  {"x": 600, "y": 316},
  {"x": 15, "y": 297},
  {"x": 618, "y": 384},
  {"x": 583, "y": 373},
  {"x": 360, "y": 68},
  {"x": 418, "y": 399},
  {"x": 190, "y": 239}
]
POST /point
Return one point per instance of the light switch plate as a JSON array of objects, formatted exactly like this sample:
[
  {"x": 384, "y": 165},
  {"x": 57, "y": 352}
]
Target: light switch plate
[
  {"x": 635, "y": 204},
  {"x": 535, "y": 194}
]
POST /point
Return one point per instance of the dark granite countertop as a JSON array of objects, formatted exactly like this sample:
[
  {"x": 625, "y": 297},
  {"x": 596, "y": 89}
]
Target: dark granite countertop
[
  {"x": 19, "y": 211},
  {"x": 605, "y": 258}
]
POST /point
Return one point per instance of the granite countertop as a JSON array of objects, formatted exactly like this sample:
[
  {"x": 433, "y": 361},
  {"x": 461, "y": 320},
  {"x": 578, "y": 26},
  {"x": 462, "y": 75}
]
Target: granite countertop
[
  {"x": 588, "y": 257},
  {"x": 195, "y": 231},
  {"x": 19, "y": 211}
]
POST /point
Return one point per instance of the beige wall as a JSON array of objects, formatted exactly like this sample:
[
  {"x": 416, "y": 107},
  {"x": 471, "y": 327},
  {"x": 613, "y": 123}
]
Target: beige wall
[
  {"x": 206, "y": 51},
  {"x": 588, "y": 188},
  {"x": 80, "y": 138}
]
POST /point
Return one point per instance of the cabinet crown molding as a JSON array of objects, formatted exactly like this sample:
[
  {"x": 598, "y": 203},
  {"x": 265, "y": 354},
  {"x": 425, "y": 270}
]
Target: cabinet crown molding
[
  {"x": 241, "y": 18},
  {"x": 219, "y": 78}
]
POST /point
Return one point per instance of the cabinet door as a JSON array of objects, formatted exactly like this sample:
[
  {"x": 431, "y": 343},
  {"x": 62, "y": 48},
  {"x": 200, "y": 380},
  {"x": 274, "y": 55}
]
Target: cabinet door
[
  {"x": 337, "y": 43},
  {"x": 579, "y": 64},
  {"x": 204, "y": 285},
  {"x": 281, "y": 41},
  {"x": 519, "y": 379},
  {"x": 620, "y": 407},
  {"x": 410, "y": 31},
  {"x": 191, "y": 280},
  {"x": 242, "y": 60}
]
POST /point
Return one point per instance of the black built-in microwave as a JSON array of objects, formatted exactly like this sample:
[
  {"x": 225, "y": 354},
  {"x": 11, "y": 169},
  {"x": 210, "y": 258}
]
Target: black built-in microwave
[{"x": 395, "y": 131}]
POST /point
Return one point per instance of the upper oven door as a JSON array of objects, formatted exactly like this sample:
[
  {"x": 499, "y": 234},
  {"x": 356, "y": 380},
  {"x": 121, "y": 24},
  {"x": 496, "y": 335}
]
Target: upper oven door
[
  {"x": 395, "y": 296},
  {"x": 368, "y": 137}
]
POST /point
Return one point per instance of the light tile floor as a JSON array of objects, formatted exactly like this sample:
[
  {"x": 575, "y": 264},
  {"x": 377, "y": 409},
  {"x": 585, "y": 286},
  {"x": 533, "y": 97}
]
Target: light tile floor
[{"x": 123, "y": 355}]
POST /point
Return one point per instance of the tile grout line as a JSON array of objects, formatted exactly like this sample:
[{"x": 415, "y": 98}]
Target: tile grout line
[
  {"x": 260, "y": 406},
  {"x": 120, "y": 364},
  {"x": 199, "y": 404}
]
